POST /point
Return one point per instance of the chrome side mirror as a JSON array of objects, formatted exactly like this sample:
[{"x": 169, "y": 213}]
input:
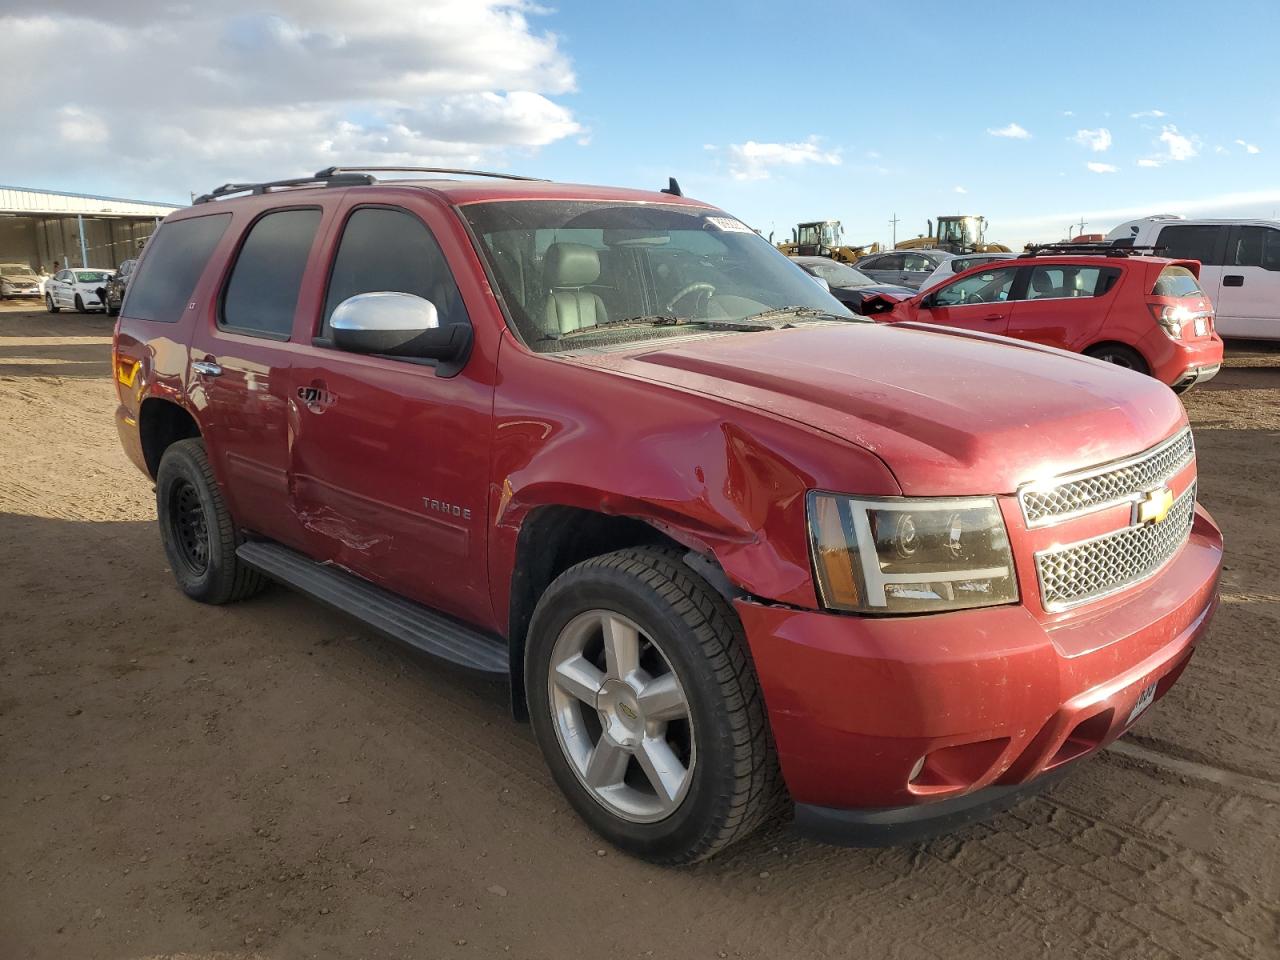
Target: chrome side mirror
[{"x": 399, "y": 325}]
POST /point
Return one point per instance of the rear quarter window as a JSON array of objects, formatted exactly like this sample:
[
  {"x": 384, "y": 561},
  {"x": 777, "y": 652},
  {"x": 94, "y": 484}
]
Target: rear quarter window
[
  {"x": 175, "y": 258},
  {"x": 1176, "y": 282}
]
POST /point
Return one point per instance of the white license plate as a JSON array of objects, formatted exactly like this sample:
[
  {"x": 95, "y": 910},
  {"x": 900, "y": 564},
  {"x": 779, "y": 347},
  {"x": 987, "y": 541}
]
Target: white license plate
[
  {"x": 1202, "y": 326},
  {"x": 1145, "y": 699}
]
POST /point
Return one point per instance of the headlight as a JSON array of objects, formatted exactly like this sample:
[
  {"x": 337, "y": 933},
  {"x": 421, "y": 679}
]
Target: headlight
[{"x": 910, "y": 555}]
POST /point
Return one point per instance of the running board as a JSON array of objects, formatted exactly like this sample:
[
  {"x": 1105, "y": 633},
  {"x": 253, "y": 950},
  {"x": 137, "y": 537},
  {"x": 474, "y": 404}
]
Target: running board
[{"x": 381, "y": 610}]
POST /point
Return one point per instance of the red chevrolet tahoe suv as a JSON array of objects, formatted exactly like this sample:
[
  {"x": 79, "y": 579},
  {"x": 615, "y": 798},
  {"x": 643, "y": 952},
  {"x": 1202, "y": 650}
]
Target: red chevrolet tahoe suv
[
  {"x": 736, "y": 551},
  {"x": 1145, "y": 313}
]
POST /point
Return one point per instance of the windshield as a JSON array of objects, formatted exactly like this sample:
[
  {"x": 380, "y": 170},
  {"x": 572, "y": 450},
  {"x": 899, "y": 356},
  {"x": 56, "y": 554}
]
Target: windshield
[
  {"x": 590, "y": 273},
  {"x": 955, "y": 231},
  {"x": 839, "y": 274},
  {"x": 91, "y": 276}
]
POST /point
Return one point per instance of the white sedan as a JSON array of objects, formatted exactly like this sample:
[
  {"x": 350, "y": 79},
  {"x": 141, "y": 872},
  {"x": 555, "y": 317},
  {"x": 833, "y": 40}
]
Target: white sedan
[{"x": 81, "y": 289}]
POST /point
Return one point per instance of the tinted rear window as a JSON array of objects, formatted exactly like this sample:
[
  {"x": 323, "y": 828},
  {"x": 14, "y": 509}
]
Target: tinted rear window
[
  {"x": 262, "y": 293},
  {"x": 175, "y": 258},
  {"x": 1191, "y": 242},
  {"x": 1176, "y": 282}
]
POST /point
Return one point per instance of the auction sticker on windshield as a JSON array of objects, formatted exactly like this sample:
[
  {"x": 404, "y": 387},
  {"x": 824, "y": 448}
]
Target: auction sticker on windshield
[{"x": 729, "y": 225}]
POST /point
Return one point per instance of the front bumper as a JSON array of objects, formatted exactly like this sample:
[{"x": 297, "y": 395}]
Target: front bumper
[
  {"x": 990, "y": 700},
  {"x": 20, "y": 291}
]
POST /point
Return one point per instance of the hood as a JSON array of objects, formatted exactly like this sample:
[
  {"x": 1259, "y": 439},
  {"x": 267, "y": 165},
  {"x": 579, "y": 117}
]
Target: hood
[
  {"x": 869, "y": 289},
  {"x": 949, "y": 412}
]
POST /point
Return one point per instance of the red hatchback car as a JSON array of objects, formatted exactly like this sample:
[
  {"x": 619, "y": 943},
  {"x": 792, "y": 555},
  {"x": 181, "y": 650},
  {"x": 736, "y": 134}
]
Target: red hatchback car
[
  {"x": 1142, "y": 312},
  {"x": 735, "y": 550}
]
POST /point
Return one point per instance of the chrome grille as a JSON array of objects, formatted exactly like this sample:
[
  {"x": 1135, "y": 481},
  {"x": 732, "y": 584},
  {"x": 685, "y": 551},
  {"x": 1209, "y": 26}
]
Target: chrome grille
[
  {"x": 1084, "y": 571},
  {"x": 1100, "y": 487}
]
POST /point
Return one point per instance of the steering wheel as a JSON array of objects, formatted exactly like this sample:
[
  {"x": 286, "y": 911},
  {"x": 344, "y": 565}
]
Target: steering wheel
[{"x": 706, "y": 289}]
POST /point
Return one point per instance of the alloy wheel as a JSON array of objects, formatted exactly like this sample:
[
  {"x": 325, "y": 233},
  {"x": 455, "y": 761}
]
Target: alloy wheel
[{"x": 621, "y": 716}]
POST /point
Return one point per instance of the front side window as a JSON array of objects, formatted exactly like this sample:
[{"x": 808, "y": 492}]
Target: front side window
[
  {"x": 1058, "y": 282},
  {"x": 596, "y": 273},
  {"x": 1190, "y": 242},
  {"x": 989, "y": 286},
  {"x": 384, "y": 249},
  {"x": 262, "y": 292},
  {"x": 1255, "y": 247},
  {"x": 176, "y": 256},
  {"x": 914, "y": 262},
  {"x": 892, "y": 262}
]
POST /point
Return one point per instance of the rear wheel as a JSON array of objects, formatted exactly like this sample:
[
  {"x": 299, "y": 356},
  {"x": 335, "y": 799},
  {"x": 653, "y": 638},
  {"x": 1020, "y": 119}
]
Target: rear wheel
[
  {"x": 645, "y": 703},
  {"x": 199, "y": 536},
  {"x": 1120, "y": 355},
  {"x": 49, "y": 304}
]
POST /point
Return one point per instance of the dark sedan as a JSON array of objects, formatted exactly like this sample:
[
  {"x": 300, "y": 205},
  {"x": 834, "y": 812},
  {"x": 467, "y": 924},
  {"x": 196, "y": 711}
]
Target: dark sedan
[
  {"x": 852, "y": 287},
  {"x": 113, "y": 293}
]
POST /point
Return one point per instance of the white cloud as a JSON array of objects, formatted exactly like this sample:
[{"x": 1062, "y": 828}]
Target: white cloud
[
  {"x": 1096, "y": 140},
  {"x": 1013, "y": 131},
  {"x": 77, "y": 127},
  {"x": 1068, "y": 113},
  {"x": 1102, "y": 167},
  {"x": 959, "y": 190},
  {"x": 1249, "y": 147},
  {"x": 271, "y": 88},
  {"x": 1180, "y": 147},
  {"x": 1148, "y": 114},
  {"x": 754, "y": 160},
  {"x": 1151, "y": 162}
]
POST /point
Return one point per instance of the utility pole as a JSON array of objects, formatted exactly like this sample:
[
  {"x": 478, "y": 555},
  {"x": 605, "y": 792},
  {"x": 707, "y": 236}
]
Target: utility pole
[
  {"x": 1082, "y": 226},
  {"x": 895, "y": 221}
]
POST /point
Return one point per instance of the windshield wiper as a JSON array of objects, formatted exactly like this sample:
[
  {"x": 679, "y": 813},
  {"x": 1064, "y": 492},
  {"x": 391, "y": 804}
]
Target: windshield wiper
[
  {"x": 656, "y": 319},
  {"x": 814, "y": 313}
]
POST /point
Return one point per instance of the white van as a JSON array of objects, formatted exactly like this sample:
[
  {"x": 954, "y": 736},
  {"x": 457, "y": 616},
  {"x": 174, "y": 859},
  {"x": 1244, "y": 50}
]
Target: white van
[{"x": 1239, "y": 265}]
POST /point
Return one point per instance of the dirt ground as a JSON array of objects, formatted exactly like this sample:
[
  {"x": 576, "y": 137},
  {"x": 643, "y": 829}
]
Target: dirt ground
[{"x": 265, "y": 781}]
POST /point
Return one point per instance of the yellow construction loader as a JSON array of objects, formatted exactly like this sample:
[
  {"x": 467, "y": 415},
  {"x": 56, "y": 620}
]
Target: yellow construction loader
[
  {"x": 824, "y": 238},
  {"x": 957, "y": 234}
]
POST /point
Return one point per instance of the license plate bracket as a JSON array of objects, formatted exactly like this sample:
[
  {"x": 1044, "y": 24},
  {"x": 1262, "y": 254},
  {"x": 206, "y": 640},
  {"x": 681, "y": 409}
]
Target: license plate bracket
[{"x": 1145, "y": 699}]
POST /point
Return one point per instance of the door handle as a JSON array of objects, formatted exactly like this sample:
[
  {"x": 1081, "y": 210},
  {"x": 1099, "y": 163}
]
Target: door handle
[
  {"x": 206, "y": 368},
  {"x": 1233, "y": 280},
  {"x": 992, "y": 316}
]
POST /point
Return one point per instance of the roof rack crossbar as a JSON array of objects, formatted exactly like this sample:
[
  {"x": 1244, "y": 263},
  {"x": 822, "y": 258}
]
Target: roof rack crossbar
[
  {"x": 1086, "y": 249},
  {"x": 332, "y": 171},
  {"x": 336, "y": 180}
]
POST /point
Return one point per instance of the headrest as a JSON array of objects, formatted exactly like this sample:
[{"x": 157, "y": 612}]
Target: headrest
[{"x": 570, "y": 265}]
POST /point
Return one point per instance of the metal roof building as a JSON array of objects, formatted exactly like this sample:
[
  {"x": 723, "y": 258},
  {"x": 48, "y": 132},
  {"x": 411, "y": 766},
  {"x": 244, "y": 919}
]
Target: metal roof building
[{"x": 44, "y": 227}]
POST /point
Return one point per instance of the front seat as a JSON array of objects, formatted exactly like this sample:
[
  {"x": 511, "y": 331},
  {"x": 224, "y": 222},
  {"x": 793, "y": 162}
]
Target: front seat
[{"x": 567, "y": 268}]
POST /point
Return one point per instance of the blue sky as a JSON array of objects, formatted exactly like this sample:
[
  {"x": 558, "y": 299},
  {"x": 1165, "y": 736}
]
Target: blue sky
[
  {"x": 906, "y": 102},
  {"x": 1033, "y": 114}
]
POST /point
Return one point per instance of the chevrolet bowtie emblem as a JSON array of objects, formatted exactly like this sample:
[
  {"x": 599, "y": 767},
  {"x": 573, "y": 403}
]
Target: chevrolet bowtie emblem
[{"x": 1154, "y": 506}]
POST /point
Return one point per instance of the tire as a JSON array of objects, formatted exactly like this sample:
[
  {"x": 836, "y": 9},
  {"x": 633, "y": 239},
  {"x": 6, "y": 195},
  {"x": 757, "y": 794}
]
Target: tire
[
  {"x": 50, "y": 305},
  {"x": 199, "y": 536},
  {"x": 1120, "y": 355},
  {"x": 80, "y": 305},
  {"x": 730, "y": 783}
]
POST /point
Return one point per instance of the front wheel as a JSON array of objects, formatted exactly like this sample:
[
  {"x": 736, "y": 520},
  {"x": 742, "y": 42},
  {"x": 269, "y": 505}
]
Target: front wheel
[
  {"x": 1120, "y": 355},
  {"x": 644, "y": 700},
  {"x": 50, "y": 305},
  {"x": 197, "y": 531}
]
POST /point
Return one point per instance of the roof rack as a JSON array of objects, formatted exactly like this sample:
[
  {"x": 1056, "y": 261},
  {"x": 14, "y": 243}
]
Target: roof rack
[
  {"x": 1086, "y": 250},
  {"x": 341, "y": 177},
  {"x": 338, "y": 180},
  {"x": 334, "y": 171}
]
